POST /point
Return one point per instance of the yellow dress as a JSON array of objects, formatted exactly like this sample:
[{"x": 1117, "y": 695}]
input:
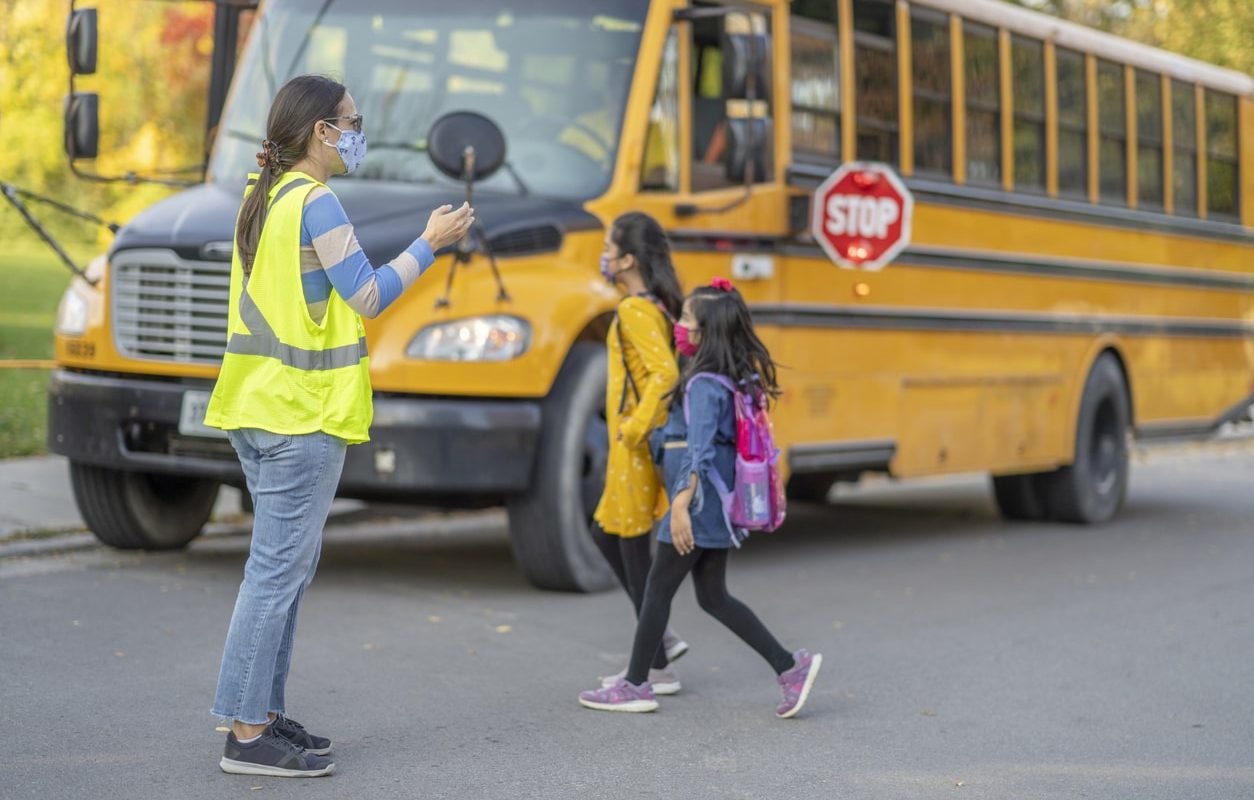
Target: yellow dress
[{"x": 634, "y": 497}]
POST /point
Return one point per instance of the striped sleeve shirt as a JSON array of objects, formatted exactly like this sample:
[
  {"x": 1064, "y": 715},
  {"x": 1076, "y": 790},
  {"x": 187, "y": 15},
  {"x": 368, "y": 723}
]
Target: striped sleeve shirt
[{"x": 332, "y": 260}]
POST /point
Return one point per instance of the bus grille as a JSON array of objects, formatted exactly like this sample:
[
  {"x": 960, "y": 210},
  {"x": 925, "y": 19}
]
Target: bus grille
[{"x": 167, "y": 308}]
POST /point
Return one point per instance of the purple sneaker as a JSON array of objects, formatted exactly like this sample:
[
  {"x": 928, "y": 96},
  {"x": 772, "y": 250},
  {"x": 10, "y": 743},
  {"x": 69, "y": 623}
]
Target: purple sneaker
[
  {"x": 622, "y": 696},
  {"x": 797, "y": 682}
]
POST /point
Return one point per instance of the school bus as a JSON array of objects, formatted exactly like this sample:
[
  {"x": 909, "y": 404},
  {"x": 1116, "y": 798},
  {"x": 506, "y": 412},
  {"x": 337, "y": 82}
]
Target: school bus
[{"x": 1081, "y": 270}]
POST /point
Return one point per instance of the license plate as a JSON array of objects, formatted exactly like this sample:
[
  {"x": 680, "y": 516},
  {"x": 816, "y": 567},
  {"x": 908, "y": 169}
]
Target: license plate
[{"x": 192, "y": 420}]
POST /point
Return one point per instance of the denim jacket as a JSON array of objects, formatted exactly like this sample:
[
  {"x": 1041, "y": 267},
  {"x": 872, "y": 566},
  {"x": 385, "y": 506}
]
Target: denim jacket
[{"x": 709, "y": 443}]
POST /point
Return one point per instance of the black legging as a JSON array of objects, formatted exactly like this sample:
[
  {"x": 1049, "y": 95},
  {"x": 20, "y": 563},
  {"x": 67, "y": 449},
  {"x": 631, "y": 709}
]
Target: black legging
[
  {"x": 630, "y": 558},
  {"x": 709, "y": 578}
]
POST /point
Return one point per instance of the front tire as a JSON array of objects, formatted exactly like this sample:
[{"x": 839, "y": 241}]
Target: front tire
[
  {"x": 548, "y": 524},
  {"x": 142, "y": 511}
]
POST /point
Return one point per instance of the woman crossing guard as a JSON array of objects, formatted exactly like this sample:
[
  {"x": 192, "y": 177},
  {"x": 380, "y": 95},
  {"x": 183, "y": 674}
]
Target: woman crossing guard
[
  {"x": 293, "y": 392},
  {"x": 716, "y": 333},
  {"x": 642, "y": 371}
]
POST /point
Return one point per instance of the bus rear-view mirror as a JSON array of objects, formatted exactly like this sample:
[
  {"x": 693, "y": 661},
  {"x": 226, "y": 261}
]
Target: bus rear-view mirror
[
  {"x": 80, "y": 41},
  {"x": 746, "y": 158},
  {"x": 82, "y": 125},
  {"x": 746, "y": 51}
]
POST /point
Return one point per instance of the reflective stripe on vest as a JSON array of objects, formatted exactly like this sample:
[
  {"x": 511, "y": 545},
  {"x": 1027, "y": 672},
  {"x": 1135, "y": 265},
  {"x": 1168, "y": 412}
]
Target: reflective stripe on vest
[{"x": 263, "y": 341}]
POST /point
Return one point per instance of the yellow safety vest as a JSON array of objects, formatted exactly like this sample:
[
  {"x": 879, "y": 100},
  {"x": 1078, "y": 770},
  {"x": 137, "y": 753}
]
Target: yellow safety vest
[{"x": 283, "y": 372}]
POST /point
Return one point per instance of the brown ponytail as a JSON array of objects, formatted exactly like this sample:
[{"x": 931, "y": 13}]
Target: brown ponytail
[{"x": 299, "y": 105}]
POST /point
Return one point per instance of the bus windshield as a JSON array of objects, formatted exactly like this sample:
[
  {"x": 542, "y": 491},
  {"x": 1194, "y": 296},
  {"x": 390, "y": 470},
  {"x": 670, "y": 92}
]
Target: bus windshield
[{"x": 553, "y": 74}]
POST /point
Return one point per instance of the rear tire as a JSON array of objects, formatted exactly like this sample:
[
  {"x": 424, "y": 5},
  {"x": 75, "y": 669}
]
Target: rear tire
[
  {"x": 1019, "y": 496},
  {"x": 548, "y": 524},
  {"x": 141, "y": 511},
  {"x": 1093, "y": 487}
]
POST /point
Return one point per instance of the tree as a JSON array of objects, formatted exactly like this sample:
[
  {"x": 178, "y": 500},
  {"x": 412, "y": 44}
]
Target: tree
[
  {"x": 152, "y": 76},
  {"x": 1220, "y": 32}
]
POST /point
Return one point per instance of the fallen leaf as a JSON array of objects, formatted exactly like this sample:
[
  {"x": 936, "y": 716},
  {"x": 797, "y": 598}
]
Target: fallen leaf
[
  {"x": 927, "y": 712},
  {"x": 367, "y": 646},
  {"x": 837, "y": 625},
  {"x": 960, "y": 784},
  {"x": 222, "y": 729},
  {"x": 120, "y": 654},
  {"x": 434, "y": 619},
  {"x": 503, "y": 629}
]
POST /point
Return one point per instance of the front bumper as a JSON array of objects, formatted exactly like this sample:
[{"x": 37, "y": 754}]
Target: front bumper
[{"x": 421, "y": 449}]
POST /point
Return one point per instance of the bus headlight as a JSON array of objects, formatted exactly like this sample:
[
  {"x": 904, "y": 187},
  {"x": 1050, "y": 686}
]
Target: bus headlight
[
  {"x": 489, "y": 338},
  {"x": 72, "y": 313}
]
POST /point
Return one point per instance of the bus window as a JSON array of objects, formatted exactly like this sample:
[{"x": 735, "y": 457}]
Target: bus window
[
  {"x": 660, "y": 169},
  {"x": 1027, "y": 59},
  {"x": 1149, "y": 140},
  {"x": 710, "y": 106},
  {"x": 1112, "y": 164},
  {"x": 929, "y": 56},
  {"x": 815, "y": 82},
  {"x": 1221, "y": 154},
  {"x": 982, "y": 77},
  {"x": 1184, "y": 147},
  {"x": 875, "y": 77},
  {"x": 1072, "y": 124}
]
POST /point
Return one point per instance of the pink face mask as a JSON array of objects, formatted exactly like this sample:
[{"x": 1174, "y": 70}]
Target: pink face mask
[{"x": 682, "y": 343}]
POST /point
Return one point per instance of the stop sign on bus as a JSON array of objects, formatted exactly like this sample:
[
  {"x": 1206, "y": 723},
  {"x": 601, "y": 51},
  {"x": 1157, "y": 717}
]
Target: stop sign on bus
[{"x": 861, "y": 215}]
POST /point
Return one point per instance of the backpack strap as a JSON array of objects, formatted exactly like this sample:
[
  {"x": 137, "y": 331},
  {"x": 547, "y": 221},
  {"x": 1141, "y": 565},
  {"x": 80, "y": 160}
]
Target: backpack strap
[
  {"x": 721, "y": 380},
  {"x": 630, "y": 380}
]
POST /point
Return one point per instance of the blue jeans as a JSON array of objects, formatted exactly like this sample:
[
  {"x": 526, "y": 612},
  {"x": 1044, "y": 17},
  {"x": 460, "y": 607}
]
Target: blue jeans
[{"x": 292, "y": 480}]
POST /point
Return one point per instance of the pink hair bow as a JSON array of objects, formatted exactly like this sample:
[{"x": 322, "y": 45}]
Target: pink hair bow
[{"x": 722, "y": 284}]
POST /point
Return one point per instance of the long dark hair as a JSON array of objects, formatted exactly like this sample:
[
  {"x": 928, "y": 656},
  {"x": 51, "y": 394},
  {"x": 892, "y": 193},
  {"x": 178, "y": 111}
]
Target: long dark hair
[
  {"x": 728, "y": 344},
  {"x": 299, "y": 105},
  {"x": 637, "y": 234}
]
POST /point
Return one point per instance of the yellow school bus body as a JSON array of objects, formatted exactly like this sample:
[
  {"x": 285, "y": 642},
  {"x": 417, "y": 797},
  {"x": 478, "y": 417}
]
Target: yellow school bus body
[{"x": 969, "y": 352}]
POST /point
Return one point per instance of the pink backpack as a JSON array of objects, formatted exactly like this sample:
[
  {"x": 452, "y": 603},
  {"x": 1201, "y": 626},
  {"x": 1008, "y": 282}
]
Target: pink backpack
[{"x": 757, "y": 501}]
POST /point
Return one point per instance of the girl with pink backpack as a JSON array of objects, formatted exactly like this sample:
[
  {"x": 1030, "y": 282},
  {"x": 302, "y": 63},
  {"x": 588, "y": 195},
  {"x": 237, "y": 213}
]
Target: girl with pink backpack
[{"x": 721, "y": 470}]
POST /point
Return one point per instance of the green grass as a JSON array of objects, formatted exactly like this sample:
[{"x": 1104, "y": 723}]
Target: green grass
[{"x": 31, "y": 283}]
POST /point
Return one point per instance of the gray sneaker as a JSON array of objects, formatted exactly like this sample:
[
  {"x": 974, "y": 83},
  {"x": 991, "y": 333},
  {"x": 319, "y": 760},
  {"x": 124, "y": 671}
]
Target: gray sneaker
[
  {"x": 295, "y": 733},
  {"x": 665, "y": 681},
  {"x": 274, "y": 756},
  {"x": 675, "y": 647}
]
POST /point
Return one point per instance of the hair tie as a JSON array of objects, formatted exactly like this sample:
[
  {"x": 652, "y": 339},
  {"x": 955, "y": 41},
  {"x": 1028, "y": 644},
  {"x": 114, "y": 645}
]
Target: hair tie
[
  {"x": 269, "y": 155},
  {"x": 722, "y": 284}
]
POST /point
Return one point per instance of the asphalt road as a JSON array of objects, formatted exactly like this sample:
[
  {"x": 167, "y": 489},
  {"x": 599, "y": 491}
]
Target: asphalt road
[{"x": 965, "y": 658}]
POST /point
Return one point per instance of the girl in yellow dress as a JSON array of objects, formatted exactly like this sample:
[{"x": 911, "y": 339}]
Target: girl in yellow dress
[{"x": 642, "y": 371}]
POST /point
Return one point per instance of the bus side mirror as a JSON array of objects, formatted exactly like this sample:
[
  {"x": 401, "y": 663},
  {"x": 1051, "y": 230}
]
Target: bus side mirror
[
  {"x": 82, "y": 125},
  {"x": 80, "y": 41},
  {"x": 466, "y": 146},
  {"x": 746, "y": 49},
  {"x": 746, "y": 156}
]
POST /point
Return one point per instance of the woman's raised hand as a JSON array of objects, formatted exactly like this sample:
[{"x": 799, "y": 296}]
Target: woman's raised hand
[{"x": 447, "y": 226}]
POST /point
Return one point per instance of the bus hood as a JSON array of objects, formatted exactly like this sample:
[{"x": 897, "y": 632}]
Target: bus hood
[{"x": 199, "y": 223}]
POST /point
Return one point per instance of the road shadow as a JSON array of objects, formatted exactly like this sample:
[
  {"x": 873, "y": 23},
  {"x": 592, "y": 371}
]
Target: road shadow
[{"x": 470, "y": 550}]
